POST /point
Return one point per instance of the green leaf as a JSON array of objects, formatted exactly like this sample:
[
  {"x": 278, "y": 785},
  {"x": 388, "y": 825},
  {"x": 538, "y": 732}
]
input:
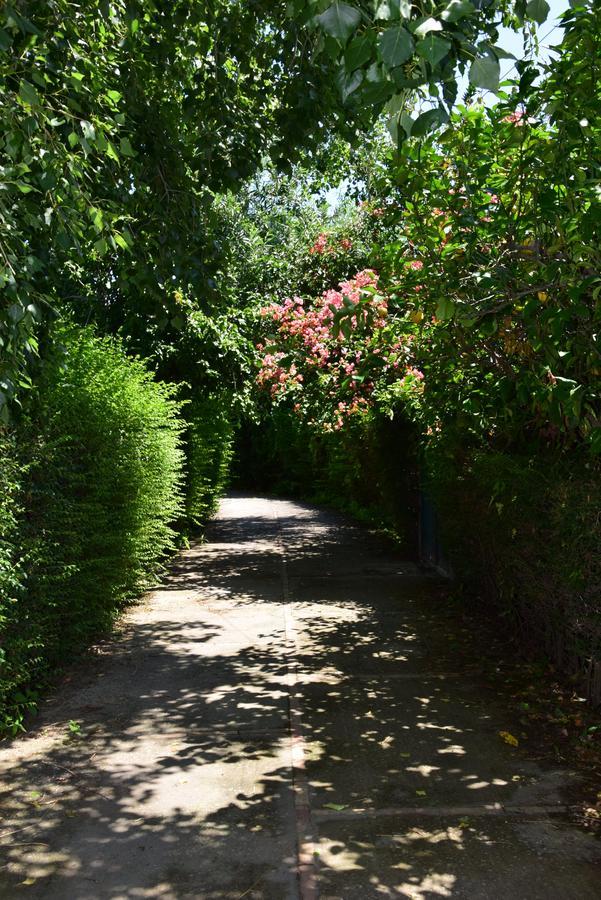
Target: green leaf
[
  {"x": 358, "y": 52},
  {"x": 485, "y": 72},
  {"x": 538, "y": 10},
  {"x": 338, "y": 807},
  {"x": 96, "y": 217},
  {"x": 126, "y": 148},
  {"x": 429, "y": 120},
  {"x": 445, "y": 309},
  {"x": 101, "y": 246},
  {"x": 406, "y": 123},
  {"x": 426, "y": 27},
  {"x": 339, "y": 21},
  {"x": 5, "y": 40},
  {"x": 457, "y": 9},
  {"x": 120, "y": 241},
  {"x": 396, "y": 46},
  {"x": 111, "y": 152},
  {"x": 25, "y": 25},
  {"x": 500, "y": 53},
  {"x": 376, "y": 88},
  {"x": 433, "y": 48},
  {"x": 28, "y": 94},
  {"x": 15, "y": 312},
  {"x": 348, "y": 83}
]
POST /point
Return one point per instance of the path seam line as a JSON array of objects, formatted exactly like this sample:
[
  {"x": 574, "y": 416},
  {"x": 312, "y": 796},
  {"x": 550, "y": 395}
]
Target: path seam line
[{"x": 305, "y": 832}]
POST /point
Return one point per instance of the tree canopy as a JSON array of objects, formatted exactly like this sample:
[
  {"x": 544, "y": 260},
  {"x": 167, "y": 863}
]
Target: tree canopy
[{"x": 122, "y": 119}]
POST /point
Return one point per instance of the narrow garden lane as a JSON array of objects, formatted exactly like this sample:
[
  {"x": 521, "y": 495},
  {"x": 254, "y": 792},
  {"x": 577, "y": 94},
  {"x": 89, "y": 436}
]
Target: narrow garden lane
[{"x": 283, "y": 719}]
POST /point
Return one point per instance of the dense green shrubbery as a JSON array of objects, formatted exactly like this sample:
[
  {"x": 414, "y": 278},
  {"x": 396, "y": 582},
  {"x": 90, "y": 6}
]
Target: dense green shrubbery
[
  {"x": 365, "y": 470},
  {"x": 522, "y": 532},
  {"x": 209, "y": 443},
  {"x": 91, "y": 482}
]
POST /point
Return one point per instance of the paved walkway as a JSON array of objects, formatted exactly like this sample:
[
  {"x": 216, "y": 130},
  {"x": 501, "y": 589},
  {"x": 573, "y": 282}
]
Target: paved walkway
[{"x": 283, "y": 718}]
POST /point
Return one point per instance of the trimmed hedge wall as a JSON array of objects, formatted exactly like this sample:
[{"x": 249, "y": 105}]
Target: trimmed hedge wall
[
  {"x": 91, "y": 481},
  {"x": 209, "y": 450}
]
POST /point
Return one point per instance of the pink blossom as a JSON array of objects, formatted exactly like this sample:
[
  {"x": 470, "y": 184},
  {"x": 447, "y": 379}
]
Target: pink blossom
[
  {"x": 320, "y": 245},
  {"x": 514, "y": 118}
]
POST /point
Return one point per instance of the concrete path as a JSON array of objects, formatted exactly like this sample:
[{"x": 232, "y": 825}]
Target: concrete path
[{"x": 284, "y": 718}]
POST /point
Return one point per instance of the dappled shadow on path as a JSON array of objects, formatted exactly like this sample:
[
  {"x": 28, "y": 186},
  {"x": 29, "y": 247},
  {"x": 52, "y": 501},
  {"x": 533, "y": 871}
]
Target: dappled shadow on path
[{"x": 179, "y": 784}]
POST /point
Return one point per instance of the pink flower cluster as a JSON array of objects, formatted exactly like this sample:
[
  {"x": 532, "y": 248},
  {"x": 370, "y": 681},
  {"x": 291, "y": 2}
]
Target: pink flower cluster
[
  {"x": 275, "y": 375},
  {"x": 518, "y": 118},
  {"x": 336, "y": 348},
  {"x": 320, "y": 245},
  {"x": 323, "y": 245}
]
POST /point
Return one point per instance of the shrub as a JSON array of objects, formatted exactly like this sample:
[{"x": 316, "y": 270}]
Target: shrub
[
  {"x": 366, "y": 469},
  {"x": 209, "y": 443},
  {"x": 86, "y": 513},
  {"x": 522, "y": 535}
]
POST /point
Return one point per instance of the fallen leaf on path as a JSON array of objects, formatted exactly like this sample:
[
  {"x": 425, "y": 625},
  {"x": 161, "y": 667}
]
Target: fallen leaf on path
[
  {"x": 421, "y": 793},
  {"x": 338, "y": 807},
  {"x": 508, "y": 738}
]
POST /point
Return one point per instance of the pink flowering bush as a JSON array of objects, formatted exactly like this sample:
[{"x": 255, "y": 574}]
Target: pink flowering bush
[
  {"x": 325, "y": 243},
  {"x": 337, "y": 356}
]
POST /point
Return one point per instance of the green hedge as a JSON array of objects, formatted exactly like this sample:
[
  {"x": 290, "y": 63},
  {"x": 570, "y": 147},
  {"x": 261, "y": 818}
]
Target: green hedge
[
  {"x": 367, "y": 470},
  {"x": 523, "y": 536},
  {"x": 91, "y": 482},
  {"x": 209, "y": 449}
]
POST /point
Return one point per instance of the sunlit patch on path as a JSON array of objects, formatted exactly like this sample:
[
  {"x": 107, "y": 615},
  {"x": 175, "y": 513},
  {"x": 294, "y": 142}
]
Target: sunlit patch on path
[{"x": 284, "y": 719}]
